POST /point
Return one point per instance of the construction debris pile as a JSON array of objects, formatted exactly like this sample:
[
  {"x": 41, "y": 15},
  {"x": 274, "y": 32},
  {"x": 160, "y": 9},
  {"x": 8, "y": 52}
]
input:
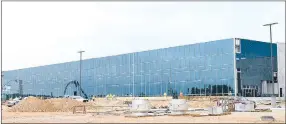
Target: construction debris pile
[{"x": 33, "y": 104}]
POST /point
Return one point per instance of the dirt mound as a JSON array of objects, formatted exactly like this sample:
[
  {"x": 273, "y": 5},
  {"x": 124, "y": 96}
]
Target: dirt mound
[
  {"x": 64, "y": 104},
  {"x": 33, "y": 104},
  {"x": 4, "y": 108}
]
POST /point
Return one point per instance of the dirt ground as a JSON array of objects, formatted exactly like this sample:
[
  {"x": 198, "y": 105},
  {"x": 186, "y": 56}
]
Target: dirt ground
[
  {"x": 57, "y": 117},
  {"x": 69, "y": 117}
]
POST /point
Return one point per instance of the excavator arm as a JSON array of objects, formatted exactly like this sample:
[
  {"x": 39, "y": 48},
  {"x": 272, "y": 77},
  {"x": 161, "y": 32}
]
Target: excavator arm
[{"x": 74, "y": 82}]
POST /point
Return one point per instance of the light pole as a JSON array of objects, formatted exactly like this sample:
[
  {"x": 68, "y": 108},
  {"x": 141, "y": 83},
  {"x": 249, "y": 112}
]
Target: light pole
[
  {"x": 80, "y": 52},
  {"x": 272, "y": 77},
  {"x": 2, "y": 86},
  {"x": 2, "y": 80}
]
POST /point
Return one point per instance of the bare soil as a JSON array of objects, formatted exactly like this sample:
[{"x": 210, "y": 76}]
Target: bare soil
[
  {"x": 66, "y": 117},
  {"x": 60, "y": 112}
]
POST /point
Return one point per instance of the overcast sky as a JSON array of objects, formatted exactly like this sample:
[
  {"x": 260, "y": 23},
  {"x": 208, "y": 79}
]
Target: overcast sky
[{"x": 42, "y": 33}]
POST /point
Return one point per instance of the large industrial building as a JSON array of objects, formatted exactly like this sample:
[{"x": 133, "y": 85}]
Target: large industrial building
[{"x": 222, "y": 67}]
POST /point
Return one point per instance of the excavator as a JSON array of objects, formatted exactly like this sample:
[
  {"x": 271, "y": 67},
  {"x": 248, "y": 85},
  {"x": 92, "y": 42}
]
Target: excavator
[{"x": 76, "y": 83}]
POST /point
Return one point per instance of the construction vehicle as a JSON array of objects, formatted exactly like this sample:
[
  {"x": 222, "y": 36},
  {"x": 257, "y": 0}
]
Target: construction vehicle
[
  {"x": 76, "y": 83},
  {"x": 75, "y": 96},
  {"x": 13, "y": 102},
  {"x": 78, "y": 98}
]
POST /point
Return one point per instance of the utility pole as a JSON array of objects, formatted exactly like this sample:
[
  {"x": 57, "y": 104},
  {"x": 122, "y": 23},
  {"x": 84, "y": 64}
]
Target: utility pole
[
  {"x": 2, "y": 86},
  {"x": 79, "y": 89},
  {"x": 272, "y": 72}
]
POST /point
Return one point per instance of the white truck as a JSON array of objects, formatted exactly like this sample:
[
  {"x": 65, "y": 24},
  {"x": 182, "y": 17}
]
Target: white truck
[
  {"x": 13, "y": 102},
  {"x": 78, "y": 98}
]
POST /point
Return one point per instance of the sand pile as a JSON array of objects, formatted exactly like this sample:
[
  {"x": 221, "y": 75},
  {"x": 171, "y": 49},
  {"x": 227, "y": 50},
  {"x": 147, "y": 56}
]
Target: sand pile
[
  {"x": 33, "y": 104},
  {"x": 64, "y": 104},
  {"x": 4, "y": 108}
]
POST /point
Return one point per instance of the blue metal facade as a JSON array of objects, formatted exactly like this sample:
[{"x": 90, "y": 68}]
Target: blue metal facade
[
  {"x": 254, "y": 62},
  {"x": 197, "y": 69}
]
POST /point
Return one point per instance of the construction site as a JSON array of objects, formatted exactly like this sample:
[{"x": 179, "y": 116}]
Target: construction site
[
  {"x": 203, "y": 109},
  {"x": 142, "y": 62}
]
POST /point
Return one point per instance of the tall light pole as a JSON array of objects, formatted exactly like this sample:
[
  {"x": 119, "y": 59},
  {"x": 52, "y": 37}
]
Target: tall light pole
[
  {"x": 272, "y": 73},
  {"x": 2, "y": 86},
  {"x": 80, "y": 52},
  {"x": 2, "y": 80}
]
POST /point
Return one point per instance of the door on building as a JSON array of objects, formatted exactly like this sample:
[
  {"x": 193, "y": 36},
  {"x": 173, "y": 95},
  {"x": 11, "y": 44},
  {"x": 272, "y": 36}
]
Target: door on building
[
  {"x": 280, "y": 93},
  {"x": 239, "y": 81}
]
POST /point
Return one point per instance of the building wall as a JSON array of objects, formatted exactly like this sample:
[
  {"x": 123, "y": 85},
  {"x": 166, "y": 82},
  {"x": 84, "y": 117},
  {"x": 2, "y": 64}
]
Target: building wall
[
  {"x": 255, "y": 64},
  {"x": 281, "y": 67},
  {"x": 197, "y": 69}
]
